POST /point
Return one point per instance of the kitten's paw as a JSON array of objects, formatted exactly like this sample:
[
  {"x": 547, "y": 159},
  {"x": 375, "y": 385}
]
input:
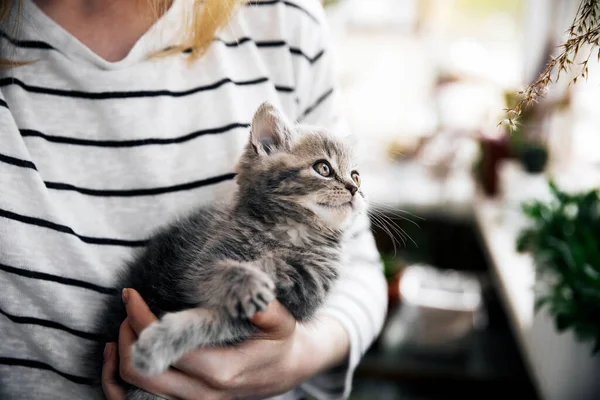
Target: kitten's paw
[
  {"x": 152, "y": 354},
  {"x": 251, "y": 295}
]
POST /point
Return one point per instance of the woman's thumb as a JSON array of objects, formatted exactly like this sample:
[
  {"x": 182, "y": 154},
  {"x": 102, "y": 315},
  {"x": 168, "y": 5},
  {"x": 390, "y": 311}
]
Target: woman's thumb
[{"x": 275, "y": 322}]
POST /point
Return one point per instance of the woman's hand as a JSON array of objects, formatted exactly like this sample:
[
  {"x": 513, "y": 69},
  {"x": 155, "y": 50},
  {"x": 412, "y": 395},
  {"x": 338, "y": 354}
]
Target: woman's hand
[{"x": 281, "y": 357}]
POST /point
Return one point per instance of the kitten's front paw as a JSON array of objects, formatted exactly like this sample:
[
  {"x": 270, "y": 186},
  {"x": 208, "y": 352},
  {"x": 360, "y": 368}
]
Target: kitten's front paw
[
  {"x": 251, "y": 295},
  {"x": 152, "y": 353}
]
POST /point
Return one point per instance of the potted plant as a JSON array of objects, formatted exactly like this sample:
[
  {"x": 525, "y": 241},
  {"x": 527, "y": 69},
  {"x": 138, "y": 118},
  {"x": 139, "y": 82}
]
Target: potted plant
[
  {"x": 526, "y": 142},
  {"x": 393, "y": 267},
  {"x": 533, "y": 156},
  {"x": 492, "y": 152},
  {"x": 563, "y": 241}
]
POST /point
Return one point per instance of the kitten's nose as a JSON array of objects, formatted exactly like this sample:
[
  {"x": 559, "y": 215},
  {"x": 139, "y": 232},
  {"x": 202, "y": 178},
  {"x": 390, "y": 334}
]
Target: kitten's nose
[{"x": 351, "y": 188}]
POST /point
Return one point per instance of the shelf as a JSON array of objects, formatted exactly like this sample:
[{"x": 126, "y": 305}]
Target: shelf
[{"x": 513, "y": 272}]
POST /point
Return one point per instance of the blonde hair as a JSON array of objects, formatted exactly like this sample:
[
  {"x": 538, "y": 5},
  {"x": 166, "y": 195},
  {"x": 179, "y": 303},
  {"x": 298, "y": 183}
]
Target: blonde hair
[{"x": 208, "y": 16}]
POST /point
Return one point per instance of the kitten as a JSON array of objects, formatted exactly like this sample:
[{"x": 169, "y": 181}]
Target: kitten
[{"x": 207, "y": 275}]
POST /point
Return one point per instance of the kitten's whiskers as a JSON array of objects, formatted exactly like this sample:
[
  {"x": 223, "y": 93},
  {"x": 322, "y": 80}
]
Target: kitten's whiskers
[{"x": 380, "y": 217}]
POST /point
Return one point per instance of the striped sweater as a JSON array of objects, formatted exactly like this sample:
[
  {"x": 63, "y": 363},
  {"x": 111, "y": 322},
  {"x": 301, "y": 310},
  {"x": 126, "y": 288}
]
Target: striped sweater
[{"x": 95, "y": 155}]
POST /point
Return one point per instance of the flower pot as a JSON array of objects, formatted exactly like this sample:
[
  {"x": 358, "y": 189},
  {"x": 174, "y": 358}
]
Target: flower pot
[
  {"x": 534, "y": 159},
  {"x": 564, "y": 367},
  {"x": 493, "y": 152}
]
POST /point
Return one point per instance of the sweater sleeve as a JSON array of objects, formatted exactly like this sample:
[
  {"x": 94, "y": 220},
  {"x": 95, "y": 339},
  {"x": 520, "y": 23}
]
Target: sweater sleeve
[
  {"x": 359, "y": 300},
  {"x": 359, "y": 303}
]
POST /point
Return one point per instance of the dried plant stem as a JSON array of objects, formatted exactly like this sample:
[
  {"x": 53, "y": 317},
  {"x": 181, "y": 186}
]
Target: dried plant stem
[{"x": 584, "y": 32}]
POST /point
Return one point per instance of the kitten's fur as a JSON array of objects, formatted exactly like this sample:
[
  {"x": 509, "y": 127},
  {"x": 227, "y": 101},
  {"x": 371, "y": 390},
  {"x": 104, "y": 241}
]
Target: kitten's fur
[{"x": 207, "y": 275}]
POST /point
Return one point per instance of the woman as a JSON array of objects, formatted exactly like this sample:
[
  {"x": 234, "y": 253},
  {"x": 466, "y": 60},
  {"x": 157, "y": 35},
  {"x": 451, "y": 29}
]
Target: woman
[{"x": 115, "y": 118}]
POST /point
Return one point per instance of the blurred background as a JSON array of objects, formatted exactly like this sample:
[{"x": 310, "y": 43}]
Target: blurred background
[{"x": 424, "y": 86}]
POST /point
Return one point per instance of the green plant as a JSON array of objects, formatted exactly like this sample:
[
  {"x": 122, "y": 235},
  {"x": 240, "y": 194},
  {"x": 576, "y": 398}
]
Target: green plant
[{"x": 564, "y": 242}]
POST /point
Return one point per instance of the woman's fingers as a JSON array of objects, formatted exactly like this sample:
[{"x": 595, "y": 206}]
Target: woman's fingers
[
  {"x": 111, "y": 387},
  {"x": 234, "y": 366},
  {"x": 275, "y": 322},
  {"x": 138, "y": 312},
  {"x": 210, "y": 371},
  {"x": 155, "y": 384},
  {"x": 139, "y": 317},
  {"x": 220, "y": 368},
  {"x": 171, "y": 384}
]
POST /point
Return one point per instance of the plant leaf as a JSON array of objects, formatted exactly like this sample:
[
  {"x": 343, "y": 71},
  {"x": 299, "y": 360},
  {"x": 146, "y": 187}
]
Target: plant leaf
[{"x": 563, "y": 238}]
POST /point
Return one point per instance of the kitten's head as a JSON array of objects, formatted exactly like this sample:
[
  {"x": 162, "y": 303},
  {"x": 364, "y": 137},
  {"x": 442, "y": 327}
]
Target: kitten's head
[{"x": 298, "y": 172}]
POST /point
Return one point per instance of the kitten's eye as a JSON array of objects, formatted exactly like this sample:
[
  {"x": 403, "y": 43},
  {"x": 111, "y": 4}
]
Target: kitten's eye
[
  {"x": 323, "y": 168},
  {"x": 356, "y": 178}
]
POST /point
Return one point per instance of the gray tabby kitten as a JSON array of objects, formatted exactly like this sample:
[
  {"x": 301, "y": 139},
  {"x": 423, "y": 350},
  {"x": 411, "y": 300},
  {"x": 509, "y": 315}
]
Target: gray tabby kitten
[{"x": 205, "y": 276}]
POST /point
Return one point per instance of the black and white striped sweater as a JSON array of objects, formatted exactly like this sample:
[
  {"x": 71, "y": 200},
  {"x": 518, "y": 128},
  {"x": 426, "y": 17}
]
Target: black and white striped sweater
[{"x": 95, "y": 155}]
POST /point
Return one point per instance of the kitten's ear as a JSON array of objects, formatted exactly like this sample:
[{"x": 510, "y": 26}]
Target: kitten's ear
[{"x": 271, "y": 132}]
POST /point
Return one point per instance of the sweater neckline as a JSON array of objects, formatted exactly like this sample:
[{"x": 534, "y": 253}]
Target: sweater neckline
[{"x": 163, "y": 33}]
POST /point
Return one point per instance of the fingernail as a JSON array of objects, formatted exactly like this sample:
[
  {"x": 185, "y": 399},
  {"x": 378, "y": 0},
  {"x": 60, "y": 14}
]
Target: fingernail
[
  {"x": 107, "y": 351},
  {"x": 125, "y": 296}
]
